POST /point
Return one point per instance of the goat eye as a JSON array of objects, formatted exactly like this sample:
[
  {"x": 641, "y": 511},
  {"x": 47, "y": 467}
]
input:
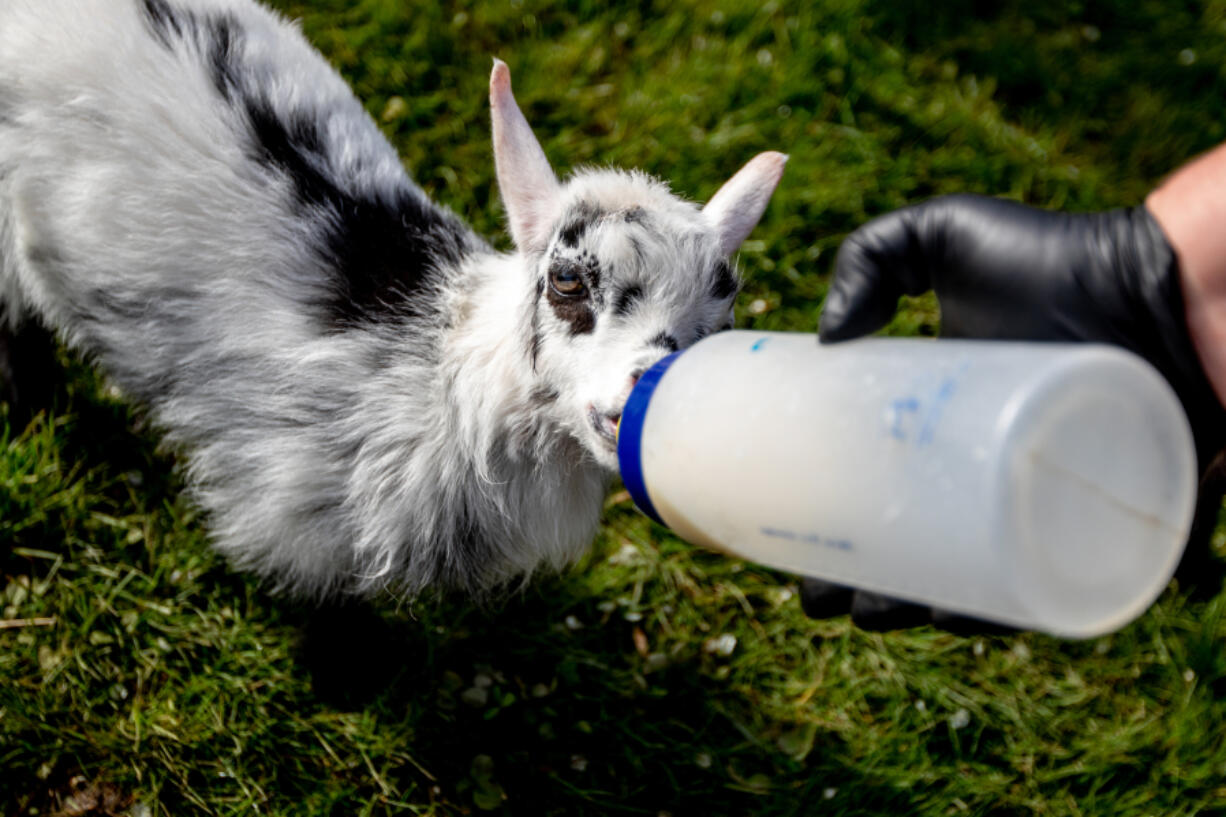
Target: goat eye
[{"x": 565, "y": 280}]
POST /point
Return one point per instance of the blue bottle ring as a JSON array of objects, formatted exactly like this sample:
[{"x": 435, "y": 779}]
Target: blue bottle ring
[{"x": 630, "y": 435}]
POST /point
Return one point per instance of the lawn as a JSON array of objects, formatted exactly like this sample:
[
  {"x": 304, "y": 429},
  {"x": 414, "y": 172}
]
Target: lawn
[{"x": 140, "y": 675}]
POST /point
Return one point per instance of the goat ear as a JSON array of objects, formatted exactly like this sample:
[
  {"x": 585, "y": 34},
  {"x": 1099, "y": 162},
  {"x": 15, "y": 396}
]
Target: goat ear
[
  {"x": 735, "y": 208},
  {"x": 530, "y": 190}
]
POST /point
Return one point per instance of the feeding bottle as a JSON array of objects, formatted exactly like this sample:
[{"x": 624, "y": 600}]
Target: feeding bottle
[{"x": 1044, "y": 486}]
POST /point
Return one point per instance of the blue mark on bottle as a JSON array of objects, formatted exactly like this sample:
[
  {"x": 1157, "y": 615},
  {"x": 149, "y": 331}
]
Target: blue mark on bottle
[
  {"x": 758, "y": 344},
  {"x": 914, "y": 419},
  {"x": 901, "y": 410},
  {"x": 832, "y": 542},
  {"x": 946, "y": 391}
]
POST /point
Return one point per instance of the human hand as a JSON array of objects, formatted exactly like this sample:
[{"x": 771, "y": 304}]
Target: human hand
[{"x": 1005, "y": 271}]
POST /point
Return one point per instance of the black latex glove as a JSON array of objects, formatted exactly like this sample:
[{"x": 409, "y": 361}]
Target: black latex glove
[{"x": 1005, "y": 271}]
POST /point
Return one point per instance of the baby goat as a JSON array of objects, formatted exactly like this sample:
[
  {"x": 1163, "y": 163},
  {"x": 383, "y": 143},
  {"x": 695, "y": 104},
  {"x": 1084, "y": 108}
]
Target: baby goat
[{"x": 365, "y": 393}]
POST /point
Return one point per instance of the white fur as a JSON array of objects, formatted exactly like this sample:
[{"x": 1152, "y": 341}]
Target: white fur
[{"x": 188, "y": 195}]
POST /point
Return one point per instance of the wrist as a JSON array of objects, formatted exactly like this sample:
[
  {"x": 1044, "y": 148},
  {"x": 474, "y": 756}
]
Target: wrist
[
  {"x": 1205, "y": 313},
  {"x": 1191, "y": 211}
]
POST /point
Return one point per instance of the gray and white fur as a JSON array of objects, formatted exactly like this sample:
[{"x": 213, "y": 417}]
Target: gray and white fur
[{"x": 364, "y": 393}]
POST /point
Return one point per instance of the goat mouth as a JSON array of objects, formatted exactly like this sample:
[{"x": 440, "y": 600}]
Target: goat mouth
[{"x": 605, "y": 426}]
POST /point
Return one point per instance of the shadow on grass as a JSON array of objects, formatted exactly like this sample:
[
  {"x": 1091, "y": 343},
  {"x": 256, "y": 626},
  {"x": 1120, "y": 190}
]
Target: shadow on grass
[
  {"x": 517, "y": 715},
  {"x": 79, "y": 454}
]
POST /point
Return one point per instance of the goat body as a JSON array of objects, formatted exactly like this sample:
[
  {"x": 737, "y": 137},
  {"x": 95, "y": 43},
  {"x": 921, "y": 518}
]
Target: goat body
[{"x": 364, "y": 392}]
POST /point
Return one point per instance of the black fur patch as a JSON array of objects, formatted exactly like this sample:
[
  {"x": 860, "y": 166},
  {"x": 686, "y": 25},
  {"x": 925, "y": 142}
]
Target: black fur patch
[
  {"x": 583, "y": 217},
  {"x": 383, "y": 249},
  {"x": 165, "y": 23},
  {"x": 666, "y": 341},
  {"x": 626, "y": 299},
  {"x": 386, "y": 250},
  {"x": 723, "y": 282}
]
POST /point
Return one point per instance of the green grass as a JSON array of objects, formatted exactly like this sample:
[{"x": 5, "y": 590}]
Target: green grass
[{"x": 150, "y": 678}]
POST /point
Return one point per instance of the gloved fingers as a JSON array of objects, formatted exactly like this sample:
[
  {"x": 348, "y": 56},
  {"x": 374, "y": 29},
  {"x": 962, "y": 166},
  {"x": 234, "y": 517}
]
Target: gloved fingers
[
  {"x": 874, "y": 612},
  {"x": 877, "y": 613},
  {"x": 967, "y": 626},
  {"x": 869, "y": 611},
  {"x": 878, "y": 263},
  {"x": 823, "y": 599}
]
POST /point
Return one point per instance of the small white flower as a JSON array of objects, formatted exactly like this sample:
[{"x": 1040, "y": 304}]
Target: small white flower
[
  {"x": 829, "y": 792},
  {"x": 702, "y": 760},
  {"x": 578, "y": 763},
  {"x": 475, "y": 697},
  {"x": 573, "y": 623},
  {"x": 782, "y": 595},
  {"x": 920, "y": 706},
  {"x": 627, "y": 554},
  {"x": 960, "y": 719},
  {"x": 721, "y": 645}
]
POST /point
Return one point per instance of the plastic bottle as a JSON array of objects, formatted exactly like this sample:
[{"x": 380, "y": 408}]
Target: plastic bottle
[{"x": 1050, "y": 487}]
